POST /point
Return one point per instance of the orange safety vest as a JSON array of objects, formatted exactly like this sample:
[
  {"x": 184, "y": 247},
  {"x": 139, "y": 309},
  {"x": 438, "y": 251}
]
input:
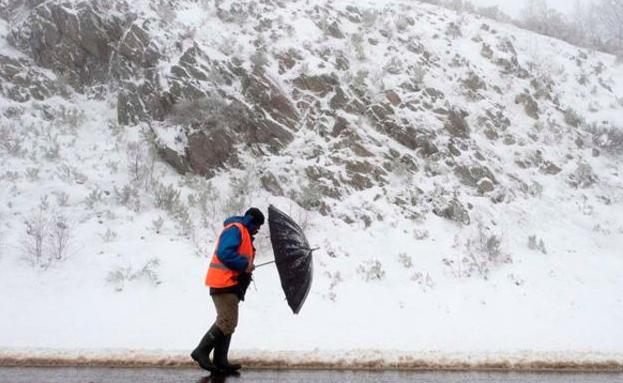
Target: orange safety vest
[{"x": 218, "y": 274}]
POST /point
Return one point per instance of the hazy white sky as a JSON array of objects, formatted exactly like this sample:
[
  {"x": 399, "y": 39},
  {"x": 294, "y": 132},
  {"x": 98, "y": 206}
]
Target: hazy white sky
[{"x": 513, "y": 7}]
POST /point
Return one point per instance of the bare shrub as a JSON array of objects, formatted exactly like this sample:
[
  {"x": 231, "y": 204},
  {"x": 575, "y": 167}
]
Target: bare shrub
[
  {"x": 335, "y": 278},
  {"x": 405, "y": 260},
  {"x": 36, "y": 231},
  {"x": 156, "y": 225},
  {"x": 47, "y": 236},
  {"x": 535, "y": 243},
  {"x": 70, "y": 174},
  {"x": 109, "y": 235},
  {"x": 394, "y": 66},
  {"x": 205, "y": 200},
  {"x": 483, "y": 253},
  {"x": 371, "y": 270},
  {"x": 423, "y": 279},
  {"x": 94, "y": 198},
  {"x": 583, "y": 176},
  {"x": 129, "y": 197},
  {"x": 62, "y": 198},
  {"x": 259, "y": 59},
  {"x": 59, "y": 237},
  {"x": 309, "y": 196},
  {"x": 32, "y": 174},
  {"x": 453, "y": 30},
  {"x": 10, "y": 142},
  {"x": 119, "y": 276},
  {"x": 573, "y": 118},
  {"x": 420, "y": 234},
  {"x": 239, "y": 197},
  {"x": 419, "y": 73},
  {"x": 357, "y": 41},
  {"x": 69, "y": 119},
  {"x": 141, "y": 161},
  {"x": 166, "y": 197},
  {"x": 369, "y": 18},
  {"x": 608, "y": 138}
]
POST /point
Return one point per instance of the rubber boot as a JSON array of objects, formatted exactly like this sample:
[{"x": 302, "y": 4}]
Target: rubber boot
[
  {"x": 221, "y": 349},
  {"x": 201, "y": 354}
]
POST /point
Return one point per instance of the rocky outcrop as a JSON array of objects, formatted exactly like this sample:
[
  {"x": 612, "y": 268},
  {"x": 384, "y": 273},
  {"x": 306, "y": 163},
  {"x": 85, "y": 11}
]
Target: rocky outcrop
[
  {"x": 454, "y": 211},
  {"x": 456, "y": 124},
  {"x": 21, "y": 81},
  {"x": 74, "y": 40}
]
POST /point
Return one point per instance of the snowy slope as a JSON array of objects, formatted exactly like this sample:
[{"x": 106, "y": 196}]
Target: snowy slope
[{"x": 402, "y": 272}]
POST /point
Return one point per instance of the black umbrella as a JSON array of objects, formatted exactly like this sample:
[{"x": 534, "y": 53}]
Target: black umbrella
[{"x": 292, "y": 256}]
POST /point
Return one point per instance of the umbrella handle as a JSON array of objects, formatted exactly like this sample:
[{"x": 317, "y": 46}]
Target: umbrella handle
[
  {"x": 264, "y": 264},
  {"x": 273, "y": 261}
]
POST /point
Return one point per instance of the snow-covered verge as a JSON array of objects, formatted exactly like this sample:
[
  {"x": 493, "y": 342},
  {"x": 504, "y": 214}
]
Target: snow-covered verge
[
  {"x": 351, "y": 360},
  {"x": 488, "y": 237}
]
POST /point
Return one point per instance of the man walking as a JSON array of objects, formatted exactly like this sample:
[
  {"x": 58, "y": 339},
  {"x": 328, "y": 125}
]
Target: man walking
[{"x": 228, "y": 277}]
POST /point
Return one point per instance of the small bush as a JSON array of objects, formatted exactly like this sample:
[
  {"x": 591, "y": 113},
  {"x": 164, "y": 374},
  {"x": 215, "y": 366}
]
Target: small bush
[
  {"x": 483, "y": 253},
  {"x": 70, "y": 120},
  {"x": 583, "y": 176},
  {"x": 405, "y": 260},
  {"x": 394, "y": 66},
  {"x": 47, "y": 236},
  {"x": 167, "y": 197},
  {"x": 109, "y": 236},
  {"x": 369, "y": 17},
  {"x": 206, "y": 200},
  {"x": 424, "y": 280},
  {"x": 239, "y": 197},
  {"x": 120, "y": 276},
  {"x": 94, "y": 198},
  {"x": 62, "y": 198},
  {"x": 156, "y": 225},
  {"x": 36, "y": 231},
  {"x": 357, "y": 41},
  {"x": 309, "y": 196},
  {"x": 573, "y": 118},
  {"x": 535, "y": 243},
  {"x": 59, "y": 237},
  {"x": 454, "y": 30},
  {"x": 10, "y": 141},
  {"x": 336, "y": 278},
  {"x": 371, "y": 270},
  {"x": 32, "y": 174},
  {"x": 141, "y": 161},
  {"x": 129, "y": 197},
  {"x": 420, "y": 234},
  {"x": 608, "y": 138}
]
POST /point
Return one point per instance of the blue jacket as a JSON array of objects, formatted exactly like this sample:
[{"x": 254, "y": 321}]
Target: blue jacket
[{"x": 227, "y": 250}]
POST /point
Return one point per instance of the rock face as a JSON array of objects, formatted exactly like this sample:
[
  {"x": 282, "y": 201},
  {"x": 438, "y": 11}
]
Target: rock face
[
  {"x": 454, "y": 211},
  {"x": 358, "y": 109},
  {"x": 456, "y": 124},
  {"x": 75, "y": 40}
]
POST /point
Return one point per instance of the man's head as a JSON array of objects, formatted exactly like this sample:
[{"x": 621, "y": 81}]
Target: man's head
[{"x": 257, "y": 219}]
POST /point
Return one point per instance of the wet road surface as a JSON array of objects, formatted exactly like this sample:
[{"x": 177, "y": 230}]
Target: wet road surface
[{"x": 151, "y": 375}]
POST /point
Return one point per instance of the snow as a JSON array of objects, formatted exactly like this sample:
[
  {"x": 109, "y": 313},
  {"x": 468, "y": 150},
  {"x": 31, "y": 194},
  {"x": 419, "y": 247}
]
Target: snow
[{"x": 565, "y": 305}]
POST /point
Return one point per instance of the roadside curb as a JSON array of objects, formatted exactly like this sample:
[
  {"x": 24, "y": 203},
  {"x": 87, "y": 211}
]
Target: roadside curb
[{"x": 316, "y": 360}]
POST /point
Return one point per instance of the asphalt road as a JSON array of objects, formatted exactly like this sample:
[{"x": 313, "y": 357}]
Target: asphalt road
[{"x": 151, "y": 375}]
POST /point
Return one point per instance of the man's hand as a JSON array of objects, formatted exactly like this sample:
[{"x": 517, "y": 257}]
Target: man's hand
[{"x": 250, "y": 268}]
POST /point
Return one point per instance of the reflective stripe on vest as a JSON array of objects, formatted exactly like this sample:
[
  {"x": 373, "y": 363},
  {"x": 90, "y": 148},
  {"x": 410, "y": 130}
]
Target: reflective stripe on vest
[{"x": 219, "y": 275}]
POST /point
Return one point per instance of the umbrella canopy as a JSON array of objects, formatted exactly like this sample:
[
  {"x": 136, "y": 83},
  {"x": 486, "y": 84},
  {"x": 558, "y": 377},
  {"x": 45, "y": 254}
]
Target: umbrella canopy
[{"x": 292, "y": 256}]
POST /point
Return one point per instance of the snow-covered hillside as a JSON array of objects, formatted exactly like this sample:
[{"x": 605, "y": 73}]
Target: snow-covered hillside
[{"x": 461, "y": 177}]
